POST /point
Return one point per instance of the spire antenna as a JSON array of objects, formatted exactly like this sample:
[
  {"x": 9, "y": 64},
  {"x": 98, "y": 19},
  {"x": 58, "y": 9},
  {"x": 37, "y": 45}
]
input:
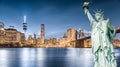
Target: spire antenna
[{"x": 24, "y": 19}]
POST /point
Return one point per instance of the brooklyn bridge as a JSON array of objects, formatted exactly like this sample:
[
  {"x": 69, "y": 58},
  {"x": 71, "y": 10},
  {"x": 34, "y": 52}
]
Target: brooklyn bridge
[{"x": 80, "y": 42}]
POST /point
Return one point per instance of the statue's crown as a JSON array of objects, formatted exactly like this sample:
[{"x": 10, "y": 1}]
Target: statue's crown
[{"x": 99, "y": 12}]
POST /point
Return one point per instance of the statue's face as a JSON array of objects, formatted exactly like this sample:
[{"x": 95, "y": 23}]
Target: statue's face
[{"x": 98, "y": 16}]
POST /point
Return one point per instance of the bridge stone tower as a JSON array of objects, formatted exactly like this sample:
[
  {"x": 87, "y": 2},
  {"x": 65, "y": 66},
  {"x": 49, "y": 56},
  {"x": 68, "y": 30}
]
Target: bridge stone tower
[{"x": 80, "y": 34}]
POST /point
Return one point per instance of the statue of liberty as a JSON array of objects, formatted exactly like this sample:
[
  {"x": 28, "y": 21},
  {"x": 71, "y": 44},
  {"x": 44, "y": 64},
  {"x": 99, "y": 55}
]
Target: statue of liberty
[{"x": 102, "y": 35}]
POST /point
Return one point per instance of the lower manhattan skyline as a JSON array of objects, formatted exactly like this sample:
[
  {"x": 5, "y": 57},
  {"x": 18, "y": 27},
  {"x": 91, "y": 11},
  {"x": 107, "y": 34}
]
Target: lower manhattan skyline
[
  {"x": 57, "y": 15},
  {"x": 59, "y": 33}
]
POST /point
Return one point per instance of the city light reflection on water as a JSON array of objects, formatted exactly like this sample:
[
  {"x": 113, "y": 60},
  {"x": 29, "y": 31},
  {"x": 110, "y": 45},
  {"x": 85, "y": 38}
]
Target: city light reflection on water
[
  {"x": 48, "y": 57},
  {"x": 3, "y": 58}
]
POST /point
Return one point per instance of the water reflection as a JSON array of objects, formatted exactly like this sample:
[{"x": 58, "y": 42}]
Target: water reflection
[
  {"x": 80, "y": 57},
  {"x": 3, "y": 58},
  {"x": 32, "y": 57},
  {"x": 48, "y": 57}
]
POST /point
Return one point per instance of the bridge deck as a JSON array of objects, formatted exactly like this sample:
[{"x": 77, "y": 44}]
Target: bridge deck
[{"x": 88, "y": 37}]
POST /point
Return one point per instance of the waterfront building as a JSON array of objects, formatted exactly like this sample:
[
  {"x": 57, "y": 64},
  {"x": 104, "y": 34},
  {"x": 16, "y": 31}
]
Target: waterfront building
[
  {"x": 39, "y": 42},
  {"x": 116, "y": 42},
  {"x": 11, "y": 37},
  {"x": 47, "y": 43},
  {"x": 1, "y": 26},
  {"x": 63, "y": 41},
  {"x": 53, "y": 42},
  {"x": 29, "y": 41}
]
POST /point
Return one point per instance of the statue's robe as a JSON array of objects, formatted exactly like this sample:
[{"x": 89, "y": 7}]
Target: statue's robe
[{"x": 102, "y": 44}]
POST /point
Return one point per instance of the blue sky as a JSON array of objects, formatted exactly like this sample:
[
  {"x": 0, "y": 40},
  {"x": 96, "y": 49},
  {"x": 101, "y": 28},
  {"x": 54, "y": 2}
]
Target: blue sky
[{"x": 57, "y": 15}]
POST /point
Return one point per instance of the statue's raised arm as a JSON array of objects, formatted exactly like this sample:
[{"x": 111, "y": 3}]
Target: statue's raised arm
[{"x": 85, "y": 7}]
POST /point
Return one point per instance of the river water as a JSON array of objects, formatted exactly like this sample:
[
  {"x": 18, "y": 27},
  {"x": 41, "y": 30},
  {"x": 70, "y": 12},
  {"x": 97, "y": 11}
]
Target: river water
[{"x": 49, "y": 57}]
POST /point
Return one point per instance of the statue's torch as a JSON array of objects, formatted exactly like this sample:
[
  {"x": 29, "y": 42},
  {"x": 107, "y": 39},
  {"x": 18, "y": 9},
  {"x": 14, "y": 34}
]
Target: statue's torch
[{"x": 85, "y": 5}]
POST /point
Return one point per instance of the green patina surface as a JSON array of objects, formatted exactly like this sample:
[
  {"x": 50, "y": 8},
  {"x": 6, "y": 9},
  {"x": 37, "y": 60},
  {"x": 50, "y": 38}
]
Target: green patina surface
[{"x": 102, "y": 40}]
